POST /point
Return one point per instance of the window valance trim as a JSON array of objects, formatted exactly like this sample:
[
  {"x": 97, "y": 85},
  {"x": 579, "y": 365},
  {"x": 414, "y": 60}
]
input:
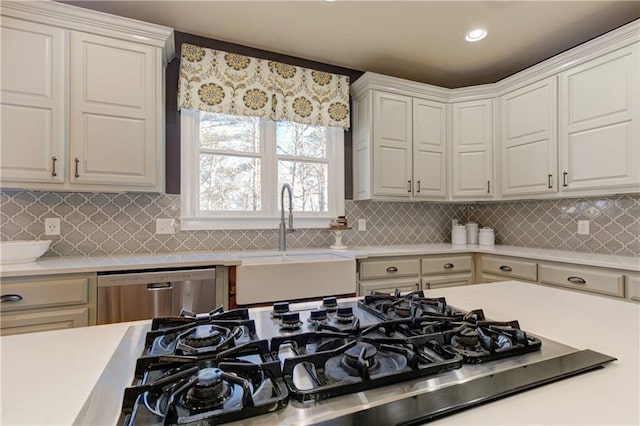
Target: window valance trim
[{"x": 229, "y": 83}]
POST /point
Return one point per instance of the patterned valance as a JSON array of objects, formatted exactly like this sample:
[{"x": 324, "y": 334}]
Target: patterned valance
[{"x": 228, "y": 83}]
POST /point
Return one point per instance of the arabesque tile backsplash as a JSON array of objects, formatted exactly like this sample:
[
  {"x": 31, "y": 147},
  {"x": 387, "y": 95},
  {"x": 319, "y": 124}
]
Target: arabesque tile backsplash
[{"x": 100, "y": 223}]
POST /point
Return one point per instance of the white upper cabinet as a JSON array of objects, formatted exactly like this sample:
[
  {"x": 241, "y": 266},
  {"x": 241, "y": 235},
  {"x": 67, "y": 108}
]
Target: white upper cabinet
[
  {"x": 32, "y": 108},
  {"x": 599, "y": 128},
  {"x": 528, "y": 144},
  {"x": 472, "y": 149},
  {"x": 113, "y": 106},
  {"x": 429, "y": 149},
  {"x": 82, "y": 99},
  {"x": 392, "y": 145},
  {"x": 400, "y": 144}
]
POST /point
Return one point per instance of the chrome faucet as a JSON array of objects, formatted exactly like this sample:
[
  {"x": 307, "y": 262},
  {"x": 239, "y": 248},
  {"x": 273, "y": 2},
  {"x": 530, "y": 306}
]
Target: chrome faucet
[{"x": 283, "y": 230}]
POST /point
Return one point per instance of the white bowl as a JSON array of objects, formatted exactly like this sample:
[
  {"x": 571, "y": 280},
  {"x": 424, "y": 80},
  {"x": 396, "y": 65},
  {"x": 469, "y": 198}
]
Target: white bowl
[{"x": 22, "y": 251}]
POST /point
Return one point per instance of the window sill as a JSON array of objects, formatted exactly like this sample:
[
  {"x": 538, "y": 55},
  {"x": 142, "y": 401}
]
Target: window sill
[{"x": 200, "y": 224}]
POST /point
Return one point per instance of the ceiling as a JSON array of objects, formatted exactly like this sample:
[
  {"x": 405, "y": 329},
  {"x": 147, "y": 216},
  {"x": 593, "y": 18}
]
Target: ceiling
[{"x": 417, "y": 40}]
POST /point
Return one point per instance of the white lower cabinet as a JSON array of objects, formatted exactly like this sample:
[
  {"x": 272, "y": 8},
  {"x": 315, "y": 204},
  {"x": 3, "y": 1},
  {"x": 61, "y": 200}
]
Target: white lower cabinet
[{"x": 43, "y": 303}]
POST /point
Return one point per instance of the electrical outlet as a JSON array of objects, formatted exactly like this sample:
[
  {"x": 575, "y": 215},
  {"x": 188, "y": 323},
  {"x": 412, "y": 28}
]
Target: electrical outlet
[
  {"x": 583, "y": 227},
  {"x": 52, "y": 226},
  {"x": 165, "y": 226},
  {"x": 362, "y": 225}
]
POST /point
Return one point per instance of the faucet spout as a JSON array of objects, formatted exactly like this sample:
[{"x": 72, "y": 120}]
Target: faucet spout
[{"x": 283, "y": 230}]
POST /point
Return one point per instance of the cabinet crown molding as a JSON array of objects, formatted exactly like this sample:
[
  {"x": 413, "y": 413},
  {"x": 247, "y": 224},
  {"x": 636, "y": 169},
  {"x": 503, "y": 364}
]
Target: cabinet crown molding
[{"x": 90, "y": 21}]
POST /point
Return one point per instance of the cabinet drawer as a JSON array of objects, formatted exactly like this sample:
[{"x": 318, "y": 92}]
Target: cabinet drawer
[
  {"x": 446, "y": 264},
  {"x": 44, "y": 292},
  {"x": 633, "y": 287},
  {"x": 508, "y": 267},
  {"x": 587, "y": 279},
  {"x": 389, "y": 268},
  {"x": 43, "y": 320}
]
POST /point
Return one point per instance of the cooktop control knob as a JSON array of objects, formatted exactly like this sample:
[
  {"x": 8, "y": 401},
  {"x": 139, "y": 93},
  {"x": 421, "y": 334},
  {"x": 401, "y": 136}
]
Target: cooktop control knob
[
  {"x": 330, "y": 304},
  {"x": 291, "y": 321},
  {"x": 318, "y": 315},
  {"x": 279, "y": 308},
  {"x": 344, "y": 314}
]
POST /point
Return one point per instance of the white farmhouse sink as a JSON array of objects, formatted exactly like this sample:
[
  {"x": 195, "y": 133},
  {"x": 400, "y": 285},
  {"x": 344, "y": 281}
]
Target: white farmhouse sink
[{"x": 272, "y": 277}]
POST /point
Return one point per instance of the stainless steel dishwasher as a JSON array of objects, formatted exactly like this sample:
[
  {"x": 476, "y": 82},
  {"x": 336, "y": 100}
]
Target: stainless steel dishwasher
[{"x": 139, "y": 295}]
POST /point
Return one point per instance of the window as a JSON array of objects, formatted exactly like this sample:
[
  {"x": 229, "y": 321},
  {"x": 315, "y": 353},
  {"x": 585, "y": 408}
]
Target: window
[{"x": 234, "y": 166}]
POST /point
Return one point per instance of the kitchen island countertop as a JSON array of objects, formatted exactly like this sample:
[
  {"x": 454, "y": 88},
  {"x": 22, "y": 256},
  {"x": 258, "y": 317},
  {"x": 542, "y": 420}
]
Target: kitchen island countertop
[
  {"x": 46, "y": 377},
  {"x": 69, "y": 265}
]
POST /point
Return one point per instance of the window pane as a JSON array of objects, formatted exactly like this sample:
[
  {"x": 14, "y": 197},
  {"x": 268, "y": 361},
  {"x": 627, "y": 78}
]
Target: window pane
[
  {"x": 229, "y": 132},
  {"x": 309, "y": 183},
  {"x": 229, "y": 183},
  {"x": 301, "y": 140}
]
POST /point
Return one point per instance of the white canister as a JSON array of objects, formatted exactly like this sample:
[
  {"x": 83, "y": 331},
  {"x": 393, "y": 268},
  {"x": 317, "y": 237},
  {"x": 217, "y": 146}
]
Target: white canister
[
  {"x": 487, "y": 237},
  {"x": 472, "y": 233},
  {"x": 458, "y": 235}
]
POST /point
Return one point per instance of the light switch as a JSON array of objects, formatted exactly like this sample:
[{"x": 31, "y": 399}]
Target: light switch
[{"x": 362, "y": 224}]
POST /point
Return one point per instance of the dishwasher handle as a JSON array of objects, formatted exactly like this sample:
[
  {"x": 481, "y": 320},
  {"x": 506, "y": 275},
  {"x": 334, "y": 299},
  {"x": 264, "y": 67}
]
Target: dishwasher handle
[{"x": 160, "y": 286}]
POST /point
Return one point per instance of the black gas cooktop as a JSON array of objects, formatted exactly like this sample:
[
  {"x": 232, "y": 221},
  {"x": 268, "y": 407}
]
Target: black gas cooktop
[{"x": 306, "y": 364}]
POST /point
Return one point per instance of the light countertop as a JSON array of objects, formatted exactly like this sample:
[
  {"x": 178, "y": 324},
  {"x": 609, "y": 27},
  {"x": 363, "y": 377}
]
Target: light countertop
[
  {"x": 67, "y": 265},
  {"x": 46, "y": 377}
]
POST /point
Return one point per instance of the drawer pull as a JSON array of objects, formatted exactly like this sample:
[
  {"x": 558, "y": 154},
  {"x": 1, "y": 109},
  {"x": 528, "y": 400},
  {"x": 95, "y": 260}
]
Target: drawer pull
[
  {"x": 448, "y": 265},
  {"x": 564, "y": 179},
  {"x": 409, "y": 184},
  {"x": 160, "y": 286},
  {"x": 506, "y": 268},
  {"x": 392, "y": 269},
  {"x": 576, "y": 280},
  {"x": 53, "y": 165},
  {"x": 77, "y": 174},
  {"x": 550, "y": 181},
  {"x": 10, "y": 298}
]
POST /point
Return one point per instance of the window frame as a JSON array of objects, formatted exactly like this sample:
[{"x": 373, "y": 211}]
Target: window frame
[{"x": 269, "y": 217}]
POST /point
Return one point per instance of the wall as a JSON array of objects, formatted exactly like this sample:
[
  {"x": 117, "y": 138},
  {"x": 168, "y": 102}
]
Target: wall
[{"x": 99, "y": 224}]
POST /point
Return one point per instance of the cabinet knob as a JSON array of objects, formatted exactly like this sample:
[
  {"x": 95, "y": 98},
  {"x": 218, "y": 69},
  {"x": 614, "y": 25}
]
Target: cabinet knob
[
  {"x": 505, "y": 268},
  {"x": 10, "y": 298},
  {"x": 448, "y": 265},
  {"x": 576, "y": 280},
  {"x": 392, "y": 269}
]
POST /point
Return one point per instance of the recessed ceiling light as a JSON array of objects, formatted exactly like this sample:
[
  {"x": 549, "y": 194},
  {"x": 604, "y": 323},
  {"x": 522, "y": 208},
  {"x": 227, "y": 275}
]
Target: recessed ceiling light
[{"x": 475, "y": 35}]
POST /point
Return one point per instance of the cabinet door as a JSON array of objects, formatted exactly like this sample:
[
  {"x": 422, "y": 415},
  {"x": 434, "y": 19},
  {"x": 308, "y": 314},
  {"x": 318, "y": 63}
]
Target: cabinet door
[
  {"x": 392, "y": 145},
  {"x": 599, "y": 134},
  {"x": 442, "y": 281},
  {"x": 113, "y": 112},
  {"x": 528, "y": 142},
  {"x": 32, "y": 109},
  {"x": 389, "y": 286},
  {"x": 429, "y": 149},
  {"x": 43, "y": 320},
  {"x": 472, "y": 146}
]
